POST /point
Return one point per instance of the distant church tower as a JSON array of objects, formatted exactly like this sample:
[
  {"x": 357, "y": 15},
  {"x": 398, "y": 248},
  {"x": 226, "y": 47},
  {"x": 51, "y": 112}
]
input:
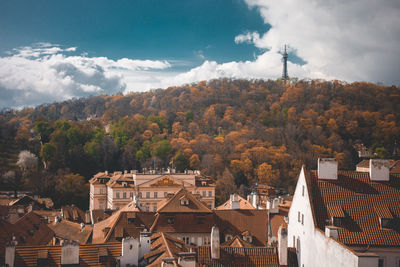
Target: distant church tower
[{"x": 284, "y": 58}]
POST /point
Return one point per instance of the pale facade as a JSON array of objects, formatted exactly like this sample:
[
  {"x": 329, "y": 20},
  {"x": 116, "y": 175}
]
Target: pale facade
[
  {"x": 324, "y": 247},
  {"x": 113, "y": 191}
]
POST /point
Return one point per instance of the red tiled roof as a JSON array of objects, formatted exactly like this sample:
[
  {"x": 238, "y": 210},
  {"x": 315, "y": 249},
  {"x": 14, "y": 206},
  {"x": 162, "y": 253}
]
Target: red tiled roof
[
  {"x": 361, "y": 201},
  {"x": 118, "y": 224},
  {"x": 183, "y": 223},
  {"x": 233, "y": 256},
  {"x": 164, "y": 246},
  {"x": 89, "y": 255},
  {"x": 237, "y": 242},
  {"x": 174, "y": 204},
  {"x": 74, "y": 214},
  {"x": 244, "y": 205},
  {"x": 235, "y": 222},
  {"x": 67, "y": 230}
]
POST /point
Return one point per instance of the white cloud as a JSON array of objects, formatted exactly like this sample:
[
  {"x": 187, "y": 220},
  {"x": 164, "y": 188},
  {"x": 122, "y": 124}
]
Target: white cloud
[
  {"x": 356, "y": 40},
  {"x": 44, "y": 73}
]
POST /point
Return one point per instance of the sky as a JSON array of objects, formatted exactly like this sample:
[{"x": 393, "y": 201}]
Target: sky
[{"x": 58, "y": 50}]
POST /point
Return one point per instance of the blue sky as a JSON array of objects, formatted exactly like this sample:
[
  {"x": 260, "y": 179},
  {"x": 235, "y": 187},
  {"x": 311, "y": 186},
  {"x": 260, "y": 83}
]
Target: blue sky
[
  {"x": 56, "y": 50},
  {"x": 186, "y": 31}
]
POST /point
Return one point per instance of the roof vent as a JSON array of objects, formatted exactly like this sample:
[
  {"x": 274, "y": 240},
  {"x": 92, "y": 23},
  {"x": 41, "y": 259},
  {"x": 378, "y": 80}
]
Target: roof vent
[
  {"x": 327, "y": 168},
  {"x": 379, "y": 170}
]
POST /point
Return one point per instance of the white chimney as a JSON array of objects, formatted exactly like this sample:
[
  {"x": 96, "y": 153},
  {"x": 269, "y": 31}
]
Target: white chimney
[
  {"x": 69, "y": 252},
  {"x": 106, "y": 172},
  {"x": 379, "y": 169},
  {"x": 10, "y": 254},
  {"x": 215, "y": 243},
  {"x": 234, "y": 201},
  {"x": 327, "y": 168},
  {"x": 331, "y": 231},
  {"x": 187, "y": 259},
  {"x": 82, "y": 227},
  {"x": 282, "y": 245},
  {"x": 144, "y": 243},
  {"x": 130, "y": 252}
]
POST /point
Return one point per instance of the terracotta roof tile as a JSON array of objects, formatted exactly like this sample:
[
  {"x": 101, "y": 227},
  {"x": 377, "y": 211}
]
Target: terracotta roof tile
[
  {"x": 89, "y": 255},
  {"x": 67, "y": 230},
  {"x": 362, "y": 202},
  {"x": 233, "y": 256},
  {"x": 174, "y": 204},
  {"x": 244, "y": 205},
  {"x": 164, "y": 246},
  {"x": 237, "y": 242},
  {"x": 235, "y": 222}
]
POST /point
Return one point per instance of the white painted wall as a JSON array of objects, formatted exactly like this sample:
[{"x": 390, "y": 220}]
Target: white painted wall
[
  {"x": 314, "y": 249},
  {"x": 130, "y": 252}
]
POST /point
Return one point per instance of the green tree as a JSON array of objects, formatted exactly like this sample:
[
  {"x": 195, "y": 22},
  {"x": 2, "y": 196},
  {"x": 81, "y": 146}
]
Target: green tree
[{"x": 181, "y": 162}]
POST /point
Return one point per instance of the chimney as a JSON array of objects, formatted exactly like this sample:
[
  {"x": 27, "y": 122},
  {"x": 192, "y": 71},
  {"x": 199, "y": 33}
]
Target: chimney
[
  {"x": 10, "y": 254},
  {"x": 234, "y": 201},
  {"x": 331, "y": 231},
  {"x": 106, "y": 172},
  {"x": 69, "y": 252},
  {"x": 379, "y": 170},
  {"x": 144, "y": 243},
  {"x": 130, "y": 252},
  {"x": 282, "y": 245},
  {"x": 215, "y": 243},
  {"x": 187, "y": 259},
  {"x": 327, "y": 168},
  {"x": 273, "y": 205},
  {"x": 125, "y": 172}
]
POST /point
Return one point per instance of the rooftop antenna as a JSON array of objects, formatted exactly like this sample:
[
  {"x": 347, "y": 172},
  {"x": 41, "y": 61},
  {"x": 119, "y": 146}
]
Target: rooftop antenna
[{"x": 284, "y": 59}]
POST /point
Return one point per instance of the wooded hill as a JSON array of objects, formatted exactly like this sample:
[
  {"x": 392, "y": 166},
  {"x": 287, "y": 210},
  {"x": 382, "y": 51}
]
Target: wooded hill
[{"x": 237, "y": 131}]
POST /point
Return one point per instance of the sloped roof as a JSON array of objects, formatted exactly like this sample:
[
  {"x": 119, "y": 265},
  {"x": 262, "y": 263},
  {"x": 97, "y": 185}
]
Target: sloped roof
[
  {"x": 71, "y": 231},
  {"x": 357, "y": 196},
  {"x": 244, "y": 205},
  {"x": 237, "y": 242},
  {"x": 234, "y": 256},
  {"x": 74, "y": 214},
  {"x": 183, "y": 223},
  {"x": 235, "y": 222},
  {"x": 164, "y": 246},
  {"x": 89, "y": 255},
  {"x": 174, "y": 204},
  {"x": 118, "y": 224}
]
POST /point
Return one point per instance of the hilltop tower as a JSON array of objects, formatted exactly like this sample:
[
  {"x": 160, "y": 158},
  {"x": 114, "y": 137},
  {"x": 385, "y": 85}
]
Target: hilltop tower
[{"x": 284, "y": 59}]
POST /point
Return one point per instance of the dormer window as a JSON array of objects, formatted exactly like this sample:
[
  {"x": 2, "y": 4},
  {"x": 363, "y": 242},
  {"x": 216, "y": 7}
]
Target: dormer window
[
  {"x": 184, "y": 202},
  {"x": 204, "y": 183},
  {"x": 385, "y": 216},
  {"x": 124, "y": 184},
  {"x": 170, "y": 220}
]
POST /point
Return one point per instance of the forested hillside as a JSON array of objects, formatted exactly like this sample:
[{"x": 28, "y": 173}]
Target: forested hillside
[{"x": 238, "y": 131}]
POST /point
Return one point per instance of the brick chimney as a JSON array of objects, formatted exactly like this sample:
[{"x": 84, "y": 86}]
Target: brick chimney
[
  {"x": 327, "y": 168},
  {"x": 379, "y": 170}
]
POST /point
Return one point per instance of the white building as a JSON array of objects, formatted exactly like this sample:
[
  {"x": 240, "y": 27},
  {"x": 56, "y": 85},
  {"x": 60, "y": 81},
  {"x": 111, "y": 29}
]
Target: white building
[{"x": 346, "y": 218}]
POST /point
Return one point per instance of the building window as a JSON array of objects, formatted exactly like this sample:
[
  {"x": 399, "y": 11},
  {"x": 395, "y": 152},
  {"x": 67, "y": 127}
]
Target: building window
[
  {"x": 170, "y": 220},
  {"x": 124, "y": 195},
  {"x": 294, "y": 241},
  {"x": 165, "y": 194},
  {"x": 155, "y": 194},
  {"x": 131, "y": 195},
  {"x": 117, "y": 195},
  {"x": 298, "y": 244},
  {"x": 210, "y": 193},
  {"x": 298, "y": 216},
  {"x": 381, "y": 263},
  {"x": 204, "y": 193},
  {"x": 101, "y": 191},
  {"x": 302, "y": 191},
  {"x": 147, "y": 194},
  {"x": 302, "y": 219},
  {"x": 186, "y": 239},
  {"x": 155, "y": 208}
]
